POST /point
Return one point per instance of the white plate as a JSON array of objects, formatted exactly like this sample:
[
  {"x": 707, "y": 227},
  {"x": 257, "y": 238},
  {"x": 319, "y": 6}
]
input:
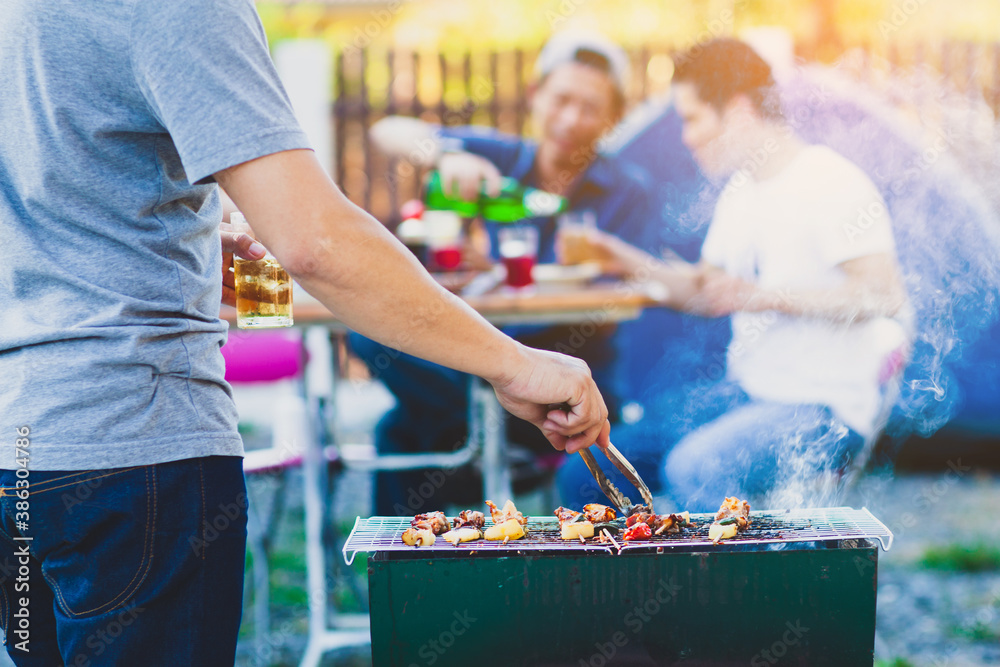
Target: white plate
[{"x": 556, "y": 275}]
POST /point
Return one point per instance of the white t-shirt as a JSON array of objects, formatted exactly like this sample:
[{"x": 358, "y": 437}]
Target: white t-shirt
[{"x": 790, "y": 232}]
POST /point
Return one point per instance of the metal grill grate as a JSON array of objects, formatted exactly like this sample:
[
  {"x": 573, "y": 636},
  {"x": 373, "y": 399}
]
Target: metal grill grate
[{"x": 768, "y": 527}]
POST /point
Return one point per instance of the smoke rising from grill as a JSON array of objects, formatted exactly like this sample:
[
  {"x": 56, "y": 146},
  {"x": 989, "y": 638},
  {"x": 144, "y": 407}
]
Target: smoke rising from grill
[{"x": 932, "y": 152}]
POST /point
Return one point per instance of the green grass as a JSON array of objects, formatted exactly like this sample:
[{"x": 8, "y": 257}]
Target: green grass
[
  {"x": 897, "y": 662},
  {"x": 288, "y": 579},
  {"x": 978, "y": 632},
  {"x": 962, "y": 558},
  {"x": 288, "y": 570}
]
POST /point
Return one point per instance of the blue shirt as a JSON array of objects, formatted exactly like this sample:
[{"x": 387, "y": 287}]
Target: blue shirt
[
  {"x": 618, "y": 193},
  {"x": 665, "y": 350},
  {"x": 113, "y": 118}
]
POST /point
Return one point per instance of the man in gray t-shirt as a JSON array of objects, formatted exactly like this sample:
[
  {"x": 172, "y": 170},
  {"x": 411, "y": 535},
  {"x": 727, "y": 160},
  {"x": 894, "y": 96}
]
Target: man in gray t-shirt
[{"x": 117, "y": 120}]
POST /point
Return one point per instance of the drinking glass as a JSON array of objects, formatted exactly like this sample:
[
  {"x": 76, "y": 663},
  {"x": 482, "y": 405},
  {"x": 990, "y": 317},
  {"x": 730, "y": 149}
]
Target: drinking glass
[
  {"x": 518, "y": 251},
  {"x": 572, "y": 228},
  {"x": 444, "y": 239},
  {"x": 263, "y": 289}
]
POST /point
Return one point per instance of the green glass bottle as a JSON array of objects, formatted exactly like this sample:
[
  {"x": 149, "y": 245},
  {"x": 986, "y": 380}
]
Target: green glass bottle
[{"x": 516, "y": 202}]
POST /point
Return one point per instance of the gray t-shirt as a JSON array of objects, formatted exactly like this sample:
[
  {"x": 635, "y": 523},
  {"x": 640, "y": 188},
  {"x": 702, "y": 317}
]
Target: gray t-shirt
[{"x": 114, "y": 114}]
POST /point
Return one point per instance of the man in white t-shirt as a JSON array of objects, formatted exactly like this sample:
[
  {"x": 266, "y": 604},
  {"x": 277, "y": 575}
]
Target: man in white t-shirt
[{"x": 800, "y": 253}]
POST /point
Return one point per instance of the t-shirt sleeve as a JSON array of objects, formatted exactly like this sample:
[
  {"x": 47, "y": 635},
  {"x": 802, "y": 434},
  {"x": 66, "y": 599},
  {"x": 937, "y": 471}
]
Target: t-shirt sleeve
[
  {"x": 205, "y": 71},
  {"x": 854, "y": 221}
]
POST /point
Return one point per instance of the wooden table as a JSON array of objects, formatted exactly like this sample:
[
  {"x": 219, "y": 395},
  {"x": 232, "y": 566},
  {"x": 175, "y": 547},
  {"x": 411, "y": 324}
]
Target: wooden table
[{"x": 608, "y": 302}]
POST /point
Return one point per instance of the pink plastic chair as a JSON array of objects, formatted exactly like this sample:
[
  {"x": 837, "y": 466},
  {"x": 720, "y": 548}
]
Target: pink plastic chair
[{"x": 263, "y": 356}]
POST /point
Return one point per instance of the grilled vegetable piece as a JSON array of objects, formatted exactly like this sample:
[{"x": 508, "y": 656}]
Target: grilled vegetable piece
[
  {"x": 612, "y": 528},
  {"x": 718, "y": 531},
  {"x": 640, "y": 531},
  {"x": 459, "y": 535},
  {"x": 565, "y": 514},
  {"x": 599, "y": 513},
  {"x": 436, "y": 522},
  {"x": 734, "y": 507},
  {"x": 577, "y": 529},
  {"x": 470, "y": 518},
  {"x": 509, "y": 529},
  {"x": 508, "y": 512},
  {"x": 732, "y": 517},
  {"x": 417, "y": 537}
]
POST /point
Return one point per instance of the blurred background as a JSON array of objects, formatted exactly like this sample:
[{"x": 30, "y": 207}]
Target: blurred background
[{"x": 470, "y": 61}]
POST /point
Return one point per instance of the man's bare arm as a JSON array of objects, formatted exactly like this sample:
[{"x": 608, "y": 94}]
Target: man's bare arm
[{"x": 351, "y": 263}]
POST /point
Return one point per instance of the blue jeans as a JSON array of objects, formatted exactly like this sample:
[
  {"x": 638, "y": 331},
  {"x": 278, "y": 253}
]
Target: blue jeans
[
  {"x": 127, "y": 566},
  {"x": 748, "y": 448}
]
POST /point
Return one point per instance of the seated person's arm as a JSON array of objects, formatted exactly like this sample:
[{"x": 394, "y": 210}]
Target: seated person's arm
[
  {"x": 418, "y": 142},
  {"x": 681, "y": 279},
  {"x": 872, "y": 288},
  {"x": 357, "y": 269},
  {"x": 406, "y": 138}
]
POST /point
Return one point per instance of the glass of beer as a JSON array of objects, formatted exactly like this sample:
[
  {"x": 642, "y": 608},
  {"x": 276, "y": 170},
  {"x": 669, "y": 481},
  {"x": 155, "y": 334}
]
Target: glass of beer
[
  {"x": 263, "y": 289},
  {"x": 518, "y": 251},
  {"x": 572, "y": 228}
]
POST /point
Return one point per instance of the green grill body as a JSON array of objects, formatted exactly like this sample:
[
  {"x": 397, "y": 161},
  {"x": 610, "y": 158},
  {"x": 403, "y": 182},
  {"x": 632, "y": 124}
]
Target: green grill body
[{"x": 793, "y": 606}]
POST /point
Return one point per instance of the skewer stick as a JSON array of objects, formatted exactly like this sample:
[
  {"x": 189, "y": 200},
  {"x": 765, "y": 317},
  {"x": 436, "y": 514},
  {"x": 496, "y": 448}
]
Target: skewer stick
[
  {"x": 608, "y": 535},
  {"x": 582, "y": 541},
  {"x": 506, "y": 539}
]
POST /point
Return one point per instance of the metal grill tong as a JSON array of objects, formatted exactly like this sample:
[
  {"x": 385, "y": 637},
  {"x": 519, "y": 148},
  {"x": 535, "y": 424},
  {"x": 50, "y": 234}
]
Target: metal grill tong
[{"x": 621, "y": 502}]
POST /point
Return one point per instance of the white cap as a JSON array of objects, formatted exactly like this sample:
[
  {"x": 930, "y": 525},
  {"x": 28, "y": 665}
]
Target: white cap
[{"x": 574, "y": 46}]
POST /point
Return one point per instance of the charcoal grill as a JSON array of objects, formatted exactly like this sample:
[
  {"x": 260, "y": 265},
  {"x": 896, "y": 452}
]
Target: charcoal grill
[{"x": 797, "y": 588}]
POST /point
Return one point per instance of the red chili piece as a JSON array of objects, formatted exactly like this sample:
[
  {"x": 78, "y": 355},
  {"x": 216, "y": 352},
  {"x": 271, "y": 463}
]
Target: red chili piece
[{"x": 639, "y": 531}]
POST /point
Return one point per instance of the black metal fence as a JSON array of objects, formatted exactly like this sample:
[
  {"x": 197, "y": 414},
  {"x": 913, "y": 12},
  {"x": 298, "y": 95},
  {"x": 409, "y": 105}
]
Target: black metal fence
[{"x": 492, "y": 87}]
